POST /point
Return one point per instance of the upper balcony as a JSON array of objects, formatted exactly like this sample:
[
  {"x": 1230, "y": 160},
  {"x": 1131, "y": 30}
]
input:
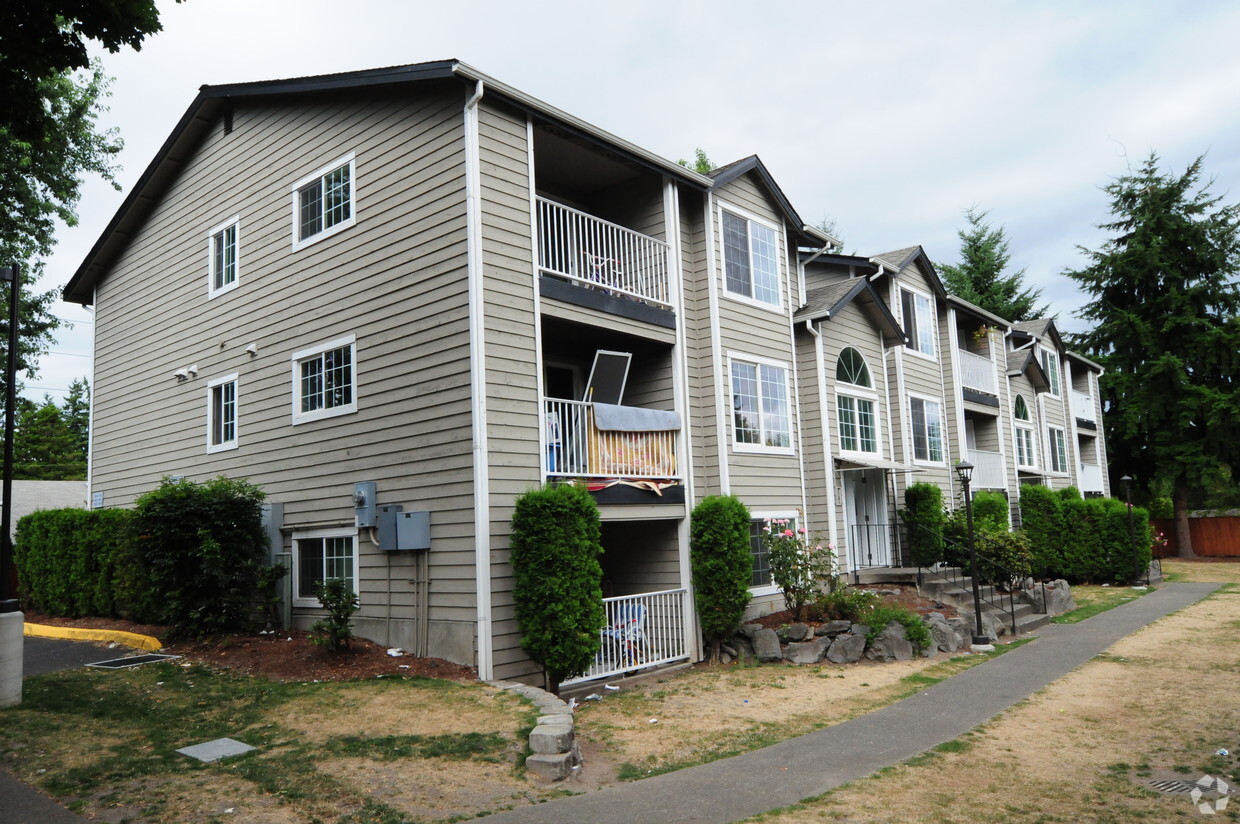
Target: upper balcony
[
  {"x": 601, "y": 264},
  {"x": 979, "y": 381},
  {"x": 1083, "y": 409}
]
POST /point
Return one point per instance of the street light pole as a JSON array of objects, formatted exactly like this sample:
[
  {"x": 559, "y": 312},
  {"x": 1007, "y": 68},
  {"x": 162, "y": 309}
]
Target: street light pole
[
  {"x": 1126, "y": 483},
  {"x": 11, "y": 620},
  {"x": 965, "y": 470}
]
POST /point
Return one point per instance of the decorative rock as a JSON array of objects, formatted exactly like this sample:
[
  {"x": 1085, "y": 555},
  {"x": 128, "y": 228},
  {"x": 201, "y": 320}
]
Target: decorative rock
[
  {"x": 793, "y": 632},
  {"x": 550, "y": 767},
  {"x": 845, "y": 649},
  {"x": 859, "y": 629},
  {"x": 556, "y": 720},
  {"x": 965, "y": 627},
  {"x": 749, "y": 630},
  {"x": 766, "y": 646},
  {"x": 741, "y": 646},
  {"x": 833, "y": 628},
  {"x": 550, "y": 740},
  {"x": 945, "y": 638},
  {"x": 891, "y": 645},
  {"x": 809, "y": 652},
  {"x": 1059, "y": 598}
]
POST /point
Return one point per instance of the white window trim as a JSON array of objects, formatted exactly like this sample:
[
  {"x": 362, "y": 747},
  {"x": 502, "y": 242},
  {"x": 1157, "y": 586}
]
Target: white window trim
[
  {"x": 298, "y": 241},
  {"x": 934, "y": 323},
  {"x": 211, "y": 385},
  {"x": 1033, "y": 444},
  {"x": 757, "y": 448},
  {"x": 771, "y": 515},
  {"x": 912, "y": 432},
  {"x": 777, "y": 308},
  {"x": 1057, "y": 380},
  {"x": 862, "y": 394},
  {"x": 212, "y": 292},
  {"x": 1052, "y": 452},
  {"x": 313, "y": 602},
  {"x": 295, "y": 366}
]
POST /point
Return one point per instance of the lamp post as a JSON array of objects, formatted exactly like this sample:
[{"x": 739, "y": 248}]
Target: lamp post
[
  {"x": 965, "y": 470},
  {"x": 1126, "y": 483},
  {"x": 11, "y": 619}
]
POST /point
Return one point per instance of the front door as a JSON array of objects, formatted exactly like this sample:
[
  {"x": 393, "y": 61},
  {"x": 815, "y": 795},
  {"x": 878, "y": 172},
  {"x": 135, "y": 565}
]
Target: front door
[{"x": 865, "y": 515}]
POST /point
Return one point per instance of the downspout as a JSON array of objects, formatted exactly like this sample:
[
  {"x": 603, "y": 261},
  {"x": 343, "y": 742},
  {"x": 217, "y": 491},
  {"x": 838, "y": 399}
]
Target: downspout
[
  {"x": 478, "y": 388},
  {"x": 825, "y": 424}
]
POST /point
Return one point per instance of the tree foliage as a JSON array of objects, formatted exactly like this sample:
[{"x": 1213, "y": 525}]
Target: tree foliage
[
  {"x": 557, "y": 578},
  {"x": 923, "y": 515},
  {"x": 1165, "y": 308},
  {"x": 700, "y": 163},
  {"x": 979, "y": 276},
  {"x": 50, "y": 441},
  {"x": 719, "y": 553}
]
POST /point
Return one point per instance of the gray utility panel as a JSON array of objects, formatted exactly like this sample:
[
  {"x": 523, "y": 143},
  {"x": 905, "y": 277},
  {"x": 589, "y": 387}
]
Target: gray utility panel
[{"x": 400, "y": 530}]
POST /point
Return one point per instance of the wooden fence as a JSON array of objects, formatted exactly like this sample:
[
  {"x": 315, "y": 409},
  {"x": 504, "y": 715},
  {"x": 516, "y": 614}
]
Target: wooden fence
[{"x": 1212, "y": 537}]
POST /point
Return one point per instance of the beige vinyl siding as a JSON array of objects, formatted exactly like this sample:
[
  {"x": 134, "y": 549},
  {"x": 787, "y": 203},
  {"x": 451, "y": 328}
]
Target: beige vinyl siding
[
  {"x": 394, "y": 281},
  {"x": 699, "y": 360},
  {"x": 763, "y": 481},
  {"x": 816, "y": 444}
]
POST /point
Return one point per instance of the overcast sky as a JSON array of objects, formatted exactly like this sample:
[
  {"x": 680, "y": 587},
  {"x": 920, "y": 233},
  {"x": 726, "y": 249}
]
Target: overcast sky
[{"x": 890, "y": 118}]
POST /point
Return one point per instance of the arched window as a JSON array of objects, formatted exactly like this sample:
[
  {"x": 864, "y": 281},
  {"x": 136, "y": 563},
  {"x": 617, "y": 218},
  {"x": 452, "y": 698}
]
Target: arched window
[
  {"x": 852, "y": 369},
  {"x": 1020, "y": 409}
]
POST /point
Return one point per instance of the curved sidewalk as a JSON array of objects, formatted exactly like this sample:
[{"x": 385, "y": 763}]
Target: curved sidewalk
[{"x": 785, "y": 773}]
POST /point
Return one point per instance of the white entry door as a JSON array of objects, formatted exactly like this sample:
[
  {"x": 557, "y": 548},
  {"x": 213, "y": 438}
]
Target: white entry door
[{"x": 865, "y": 514}]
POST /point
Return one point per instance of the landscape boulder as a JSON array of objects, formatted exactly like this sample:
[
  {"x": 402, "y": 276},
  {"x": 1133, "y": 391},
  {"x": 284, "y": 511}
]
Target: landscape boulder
[
  {"x": 846, "y": 649},
  {"x": 766, "y": 646},
  {"x": 807, "y": 652},
  {"x": 945, "y": 638},
  {"x": 892, "y": 644}
]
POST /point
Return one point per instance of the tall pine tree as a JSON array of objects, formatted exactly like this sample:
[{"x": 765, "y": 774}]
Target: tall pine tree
[
  {"x": 979, "y": 276},
  {"x": 1166, "y": 313}
]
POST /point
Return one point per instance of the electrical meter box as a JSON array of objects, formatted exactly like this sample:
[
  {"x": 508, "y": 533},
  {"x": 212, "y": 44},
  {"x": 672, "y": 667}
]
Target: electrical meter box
[{"x": 400, "y": 531}]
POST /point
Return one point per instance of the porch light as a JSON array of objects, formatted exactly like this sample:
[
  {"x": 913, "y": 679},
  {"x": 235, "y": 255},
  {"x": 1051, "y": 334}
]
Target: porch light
[{"x": 981, "y": 641}]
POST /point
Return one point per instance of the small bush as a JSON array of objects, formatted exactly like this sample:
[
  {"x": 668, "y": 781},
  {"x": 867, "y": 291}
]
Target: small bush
[
  {"x": 335, "y": 630},
  {"x": 1003, "y": 558},
  {"x": 845, "y": 603},
  {"x": 722, "y": 563},
  {"x": 923, "y": 515},
  {"x": 801, "y": 567},
  {"x": 915, "y": 629}
]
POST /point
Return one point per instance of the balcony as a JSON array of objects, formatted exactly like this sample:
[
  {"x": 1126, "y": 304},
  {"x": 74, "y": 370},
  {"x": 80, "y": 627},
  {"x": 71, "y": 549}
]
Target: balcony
[
  {"x": 977, "y": 375},
  {"x": 1091, "y": 478},
  {"x": 1083, "y": 406},
  {"x": 600, "y": 256},
  {"x": 581, "y": 443},
  {"x": 987, "y": 469}
]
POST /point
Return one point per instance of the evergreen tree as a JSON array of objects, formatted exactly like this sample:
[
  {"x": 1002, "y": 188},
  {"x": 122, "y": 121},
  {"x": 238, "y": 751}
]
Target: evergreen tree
[
  {"x": 44, "y": 448},
  {"x": 76, "y": 411},
  {"x": 979, "y": 277},
  {"x": 1166, "y": 313}
]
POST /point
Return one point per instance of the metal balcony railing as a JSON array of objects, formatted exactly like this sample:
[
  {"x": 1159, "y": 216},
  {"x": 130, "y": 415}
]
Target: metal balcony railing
[
  {"x": 987, "y": 469},
  {"x": 577, "y": 448},
  {"x": 600, "y": 255},
  {"x": 642, "y": 631}
]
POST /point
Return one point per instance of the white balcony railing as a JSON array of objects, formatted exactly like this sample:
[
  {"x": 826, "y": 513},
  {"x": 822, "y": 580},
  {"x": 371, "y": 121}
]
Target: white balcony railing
[
  {"x": 977, "y": 373},
  {"x": 591, "y": 252},
  {"x": 1091, "y": 478},
  {"x": 641, "y": 631},
  {"x": 577, "y": 448},
  {"x": 1083, "y": 405},
  {"x": 987, "y": 470}
]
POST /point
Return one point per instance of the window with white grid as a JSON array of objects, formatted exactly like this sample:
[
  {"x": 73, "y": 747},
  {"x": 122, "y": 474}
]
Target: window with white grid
[
  {"x": 324, "y": 203},
  {"x": 222, "y": 413},
  {"x": 319, "y": 555},
  {"x": 223, "y": 253},
  {"x": 760, "y": 417},
  {"x": 750, "y": 258},
  {"x": 325, "y": 380}
]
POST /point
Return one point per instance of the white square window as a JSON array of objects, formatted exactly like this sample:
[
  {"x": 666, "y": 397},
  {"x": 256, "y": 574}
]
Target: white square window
[
  {"x": 1059, "y": 449},
  {"x": 927, "y": 430},
  {"x": 223, "y": 257},
  {"x": 324, "y": 203},
  {"x": 222, "y": 414},
  {"x": 918, "y": 321},
  {"x": 760, "y": 417},
  {"x": 325, "y": 380},
  {"x": 750, "y": 259},
  {"x": 319, "y": 555}
]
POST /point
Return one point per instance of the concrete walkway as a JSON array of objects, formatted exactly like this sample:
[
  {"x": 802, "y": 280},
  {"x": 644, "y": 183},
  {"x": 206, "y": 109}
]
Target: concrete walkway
[{"x": 745, "y": 785}]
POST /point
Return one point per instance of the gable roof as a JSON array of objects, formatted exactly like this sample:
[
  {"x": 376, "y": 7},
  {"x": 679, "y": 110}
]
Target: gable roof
[
  {"x": 827, "y": 301},
  {"x": 1041, "y": 328},
  {"x": 1084, "y": 361},
  {"x": 978, "y": 312},
  {"x": 901, "y": 259},
  {"x": 731, "y": 171},
  {"x": 212, "y": 101},
  {"x": 1025, "y": 361}
]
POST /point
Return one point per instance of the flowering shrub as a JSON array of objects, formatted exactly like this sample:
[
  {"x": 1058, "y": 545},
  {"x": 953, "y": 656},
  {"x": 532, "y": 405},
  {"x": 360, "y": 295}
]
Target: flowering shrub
[{"x": 799, "y": 566}]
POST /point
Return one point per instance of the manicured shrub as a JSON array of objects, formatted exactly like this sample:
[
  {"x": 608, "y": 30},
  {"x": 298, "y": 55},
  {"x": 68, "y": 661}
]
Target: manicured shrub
[
  {"x": 1123, "y": 556},
  {"x": 76, "y": 562},
  {"x": 334, "y": 630},
  {"x": 1080, "y": 555},
  {"x": 990, "y": 510},
  {"x": 203, "y": 546},
  {"x": 722, "y": 563},
  {"x": 1003, "y": 558},
  {"x": 1041, "y": 516},
  {"x": 557, "y": 579},
  {"x": 923, "y": 516}
]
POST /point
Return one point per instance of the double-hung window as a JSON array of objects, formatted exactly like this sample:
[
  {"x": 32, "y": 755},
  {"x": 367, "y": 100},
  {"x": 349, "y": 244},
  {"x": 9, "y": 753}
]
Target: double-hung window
[
  {"x": 927, "y": 422},
  {"x": 760, "y": 418},
  {"x": 319, "y": 555},
  {"x": 324, "y": 203},
  {"x": 1050, "y": 364},
  {"x": 750, "y": 259},
  {"x": 855, "y": 402},
  {"x": 222, "y": 414},
  {"x": 918, "y": 321},
  {"x": 760, "y": 576},
  {"x": 325, "y": 380},
  {"x": 1059, "y": 449},
  {"x": 223, "y": 255},
  {"x": 1025, "y": 454}
]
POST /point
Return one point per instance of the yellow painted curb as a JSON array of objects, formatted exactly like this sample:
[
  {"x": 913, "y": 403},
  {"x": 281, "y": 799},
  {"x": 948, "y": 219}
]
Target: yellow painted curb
[{"x": 129, "y": 639}]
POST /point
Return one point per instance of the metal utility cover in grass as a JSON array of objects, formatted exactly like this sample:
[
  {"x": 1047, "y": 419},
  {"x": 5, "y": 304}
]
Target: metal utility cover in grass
[
  {"x": 133, "y": 661},
  {"x": 215, "y": 750}
]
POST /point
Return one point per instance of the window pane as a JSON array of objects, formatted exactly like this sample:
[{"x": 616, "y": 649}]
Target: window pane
[
  {"x": 848, "y": 423},
  {"x": 921, "y": 449},
  {"x": 865, "y": 420},
  {"x": 925, "y": 325},
  {"x": 309, "y": 565},
  {"x": 851, "y": 368},
  {"x": 337, "y": 377},
  {"x": 1020, "y": 409},
  {"x": 775, "y": 407},
  {"x": 224, "y": 257},
  {"x": 761, "y": 576},
  {"x": 311, "y": 384},
  {"x": 934, "y": 431},
  {"x": 311, "y": 218},
  {"x": 736, "y": 255},
  {"x": 338, "y": 559},
  {"x": 910, "y": 318},
  {"x": 765, "y": 264},
  {"x": 337, "y": 197},
  {"x": 745, "y": 408}
]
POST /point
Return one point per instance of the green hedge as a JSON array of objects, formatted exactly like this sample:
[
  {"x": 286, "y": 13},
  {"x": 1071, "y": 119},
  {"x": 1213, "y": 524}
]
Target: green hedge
[
  {"x": 1041, "y": 518},
  {"x": 923, "y": 515},
  {"x": 1084, "y": 540},
  {"x": 722, "y": 562},
  {"x": 76, "y": 562}
]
